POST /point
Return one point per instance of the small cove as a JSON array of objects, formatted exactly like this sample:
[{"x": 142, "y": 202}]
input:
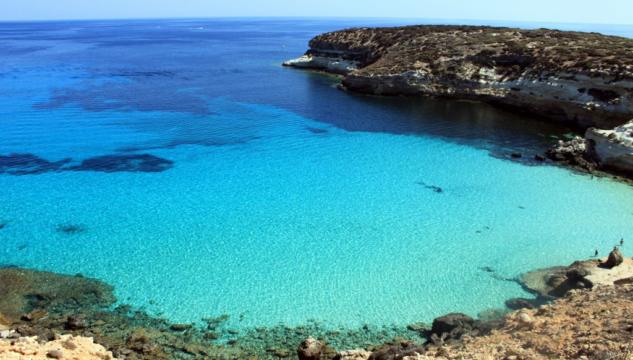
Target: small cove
[{"x": 285, "y": 200}]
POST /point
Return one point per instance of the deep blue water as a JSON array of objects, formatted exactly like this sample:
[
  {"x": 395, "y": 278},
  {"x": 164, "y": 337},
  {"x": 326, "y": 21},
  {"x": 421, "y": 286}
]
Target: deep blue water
[{"x": 178, "y": 161}]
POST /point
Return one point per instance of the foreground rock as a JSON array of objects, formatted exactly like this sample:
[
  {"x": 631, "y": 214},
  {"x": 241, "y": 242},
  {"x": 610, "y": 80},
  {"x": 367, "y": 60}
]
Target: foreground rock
[
  {"x": 589, "y": 324},
  {"x": 580, "y": 78},
  {"x": 65, "y": 347}
]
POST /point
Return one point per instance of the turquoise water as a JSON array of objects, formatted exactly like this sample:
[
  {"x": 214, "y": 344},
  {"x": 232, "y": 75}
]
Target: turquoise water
[{"x": 276, "y": 198}]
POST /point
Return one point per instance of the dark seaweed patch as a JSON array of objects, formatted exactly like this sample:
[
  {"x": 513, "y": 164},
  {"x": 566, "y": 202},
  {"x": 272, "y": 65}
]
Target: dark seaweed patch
[
  {"x": 124, "y": 163},
  {"x": 29, "y": 164}
]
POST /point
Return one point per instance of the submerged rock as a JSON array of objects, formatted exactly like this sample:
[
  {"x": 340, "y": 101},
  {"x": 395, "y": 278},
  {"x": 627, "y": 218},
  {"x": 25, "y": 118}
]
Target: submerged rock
[
  {"x": 28, "y": 164},
  {"x": 520, "y": 303},
  {"x": 124, "y": 163},
  {"x": 22, "y": 291}
]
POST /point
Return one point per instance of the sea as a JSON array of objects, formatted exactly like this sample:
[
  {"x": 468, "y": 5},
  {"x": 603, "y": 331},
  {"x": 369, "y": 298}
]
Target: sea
[{"x": 178, "y": 161}]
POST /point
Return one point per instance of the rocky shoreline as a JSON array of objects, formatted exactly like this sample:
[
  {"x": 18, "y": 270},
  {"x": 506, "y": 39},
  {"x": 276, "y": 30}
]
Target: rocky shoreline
[
  {"x": 579, "y": 79},
  {"x": 41, "y": 311}
]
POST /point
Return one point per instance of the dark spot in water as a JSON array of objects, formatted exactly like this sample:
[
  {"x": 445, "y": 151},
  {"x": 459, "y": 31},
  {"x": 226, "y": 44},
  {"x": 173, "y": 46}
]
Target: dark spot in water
[
  {"x": 155, "y": 73},
  {"x": 521, "y": 207},
  {"x": 3, "y": 225},
  {"x": 435, "y": 188},
  {"x": 493, "y": 273},
  {"x": 124, "y": 163},
  {"x": 28, "y": 164},
  {"x": 316, "y": 130},
  {"x": 22, "y": 247},
  {"x": 70, "y": 229}
]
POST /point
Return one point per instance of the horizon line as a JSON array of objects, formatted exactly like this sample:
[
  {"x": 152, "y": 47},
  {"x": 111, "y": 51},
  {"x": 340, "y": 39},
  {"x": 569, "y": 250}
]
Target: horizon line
[{"x": 304, "y": 17}]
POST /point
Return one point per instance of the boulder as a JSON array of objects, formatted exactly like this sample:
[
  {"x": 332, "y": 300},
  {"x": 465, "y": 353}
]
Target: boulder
[
  {"x": 310, "y": 349},
  {"x": 455, "y": 324},
  {"x": 76, "y": 322},
  {"x": 615, "y": 258},
  {"x": 520, "y": 303}
]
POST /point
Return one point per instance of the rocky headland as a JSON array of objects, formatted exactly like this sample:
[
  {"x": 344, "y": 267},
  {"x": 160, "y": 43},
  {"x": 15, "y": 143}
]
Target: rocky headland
[{"x": 579, "y": 79}]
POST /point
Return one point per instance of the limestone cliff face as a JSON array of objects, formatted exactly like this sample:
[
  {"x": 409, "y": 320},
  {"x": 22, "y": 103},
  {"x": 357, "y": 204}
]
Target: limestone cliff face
[
  {"x": 581, "y": 78},
  {"x": 613, "y": 149}
]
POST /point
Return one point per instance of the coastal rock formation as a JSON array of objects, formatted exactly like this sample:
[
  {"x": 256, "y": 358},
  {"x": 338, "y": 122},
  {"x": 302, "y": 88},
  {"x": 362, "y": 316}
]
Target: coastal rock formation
[
  {"x": 585, "y": 324},
  {"x": 599, "y": 150},
  {"x": 455, "y": 325},
  {"x": 65, "y": 347},
  {"x": 558, "y": 281},
  {"x": 613, "y": 149},
  {"x": 581, "y": 78},
  {"x": 589, "y": 324}
]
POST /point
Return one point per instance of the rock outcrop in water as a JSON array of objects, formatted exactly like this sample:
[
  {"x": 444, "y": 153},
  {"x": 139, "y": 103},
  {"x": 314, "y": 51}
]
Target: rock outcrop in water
[
  {"x": 580, "y": 78},
  {"x": 613, "y": 149}
]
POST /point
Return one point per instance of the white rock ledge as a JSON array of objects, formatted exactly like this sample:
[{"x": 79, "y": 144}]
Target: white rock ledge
[
  {"x": 334, "y": 65},
  {"x": 614, "y": 148}
]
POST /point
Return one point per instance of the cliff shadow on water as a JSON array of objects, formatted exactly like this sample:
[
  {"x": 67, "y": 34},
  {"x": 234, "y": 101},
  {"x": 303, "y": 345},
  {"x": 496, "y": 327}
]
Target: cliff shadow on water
[{"x": 504, "y": 132}]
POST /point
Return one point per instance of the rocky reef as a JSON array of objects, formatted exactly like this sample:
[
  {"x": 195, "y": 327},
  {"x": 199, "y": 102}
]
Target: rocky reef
[
  {"x": 581, "y": 78},
  {"x": 42, "y": 307}
]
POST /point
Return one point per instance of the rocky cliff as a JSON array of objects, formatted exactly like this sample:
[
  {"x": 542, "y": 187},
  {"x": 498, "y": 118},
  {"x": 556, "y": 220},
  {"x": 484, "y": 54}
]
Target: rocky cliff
[{"x": 580, "y": 78}]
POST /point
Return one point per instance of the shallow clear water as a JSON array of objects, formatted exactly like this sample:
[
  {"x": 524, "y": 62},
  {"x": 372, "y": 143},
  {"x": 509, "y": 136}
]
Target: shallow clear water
[{"x": 266, "y": 192}]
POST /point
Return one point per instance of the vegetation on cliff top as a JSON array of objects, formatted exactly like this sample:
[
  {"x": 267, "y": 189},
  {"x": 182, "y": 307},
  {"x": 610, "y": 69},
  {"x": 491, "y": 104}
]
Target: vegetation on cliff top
[{"x": 433, "y": 48}]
